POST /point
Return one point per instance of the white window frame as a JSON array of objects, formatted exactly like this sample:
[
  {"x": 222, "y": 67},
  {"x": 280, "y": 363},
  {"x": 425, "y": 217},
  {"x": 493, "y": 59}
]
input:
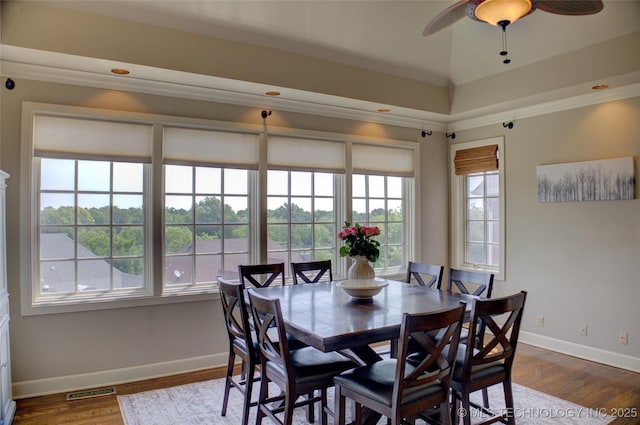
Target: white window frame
[
  {"x": 194, "y": 286},
  {"x": 289, "y": 250},
  {"x": 91, "y": 296},
  {"x": 458, "y": 210},
  {"x": 407, "y": 224}
]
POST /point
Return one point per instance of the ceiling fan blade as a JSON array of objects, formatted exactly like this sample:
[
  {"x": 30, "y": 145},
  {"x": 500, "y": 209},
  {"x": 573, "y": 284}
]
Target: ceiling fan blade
[
  {"x": 449, "y": 16},
  {"x": 571, "y": 7}
]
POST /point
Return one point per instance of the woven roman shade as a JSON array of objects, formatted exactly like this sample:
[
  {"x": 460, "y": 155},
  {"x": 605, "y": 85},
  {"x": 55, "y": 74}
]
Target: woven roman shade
[{"x": 476, "y": 160}]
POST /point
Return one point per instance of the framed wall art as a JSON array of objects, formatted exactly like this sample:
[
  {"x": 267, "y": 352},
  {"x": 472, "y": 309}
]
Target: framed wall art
[{"x": 600, "y": 180}]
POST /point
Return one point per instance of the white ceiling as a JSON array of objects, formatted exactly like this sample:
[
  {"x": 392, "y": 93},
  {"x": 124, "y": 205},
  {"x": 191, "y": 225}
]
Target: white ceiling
[{"x": 384, "y": 36}]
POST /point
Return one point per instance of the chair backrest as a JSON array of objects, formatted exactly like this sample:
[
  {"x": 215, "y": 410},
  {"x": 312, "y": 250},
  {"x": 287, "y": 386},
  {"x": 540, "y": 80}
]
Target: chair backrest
[
  {"x": 420, "y": 271},
  {"x": 236, "y": 315},
  {"x": 261, "y": 275},
  {"x": 273, "y": 346},
  {"x": 470, "y": 282},
  {"x": 311, "y": 271},
  {"x": 417, "y": 331},
  {"x": 501, "y": 319}
]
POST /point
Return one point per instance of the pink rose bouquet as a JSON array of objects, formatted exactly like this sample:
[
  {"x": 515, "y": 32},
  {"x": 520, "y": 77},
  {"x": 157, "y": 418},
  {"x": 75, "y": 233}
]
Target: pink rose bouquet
[{"x": 359, "y": 241}]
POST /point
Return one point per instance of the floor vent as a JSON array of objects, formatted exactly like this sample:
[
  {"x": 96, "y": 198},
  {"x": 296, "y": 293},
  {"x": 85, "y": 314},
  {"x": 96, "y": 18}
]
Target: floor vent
[{"x": 76, "y": 395}]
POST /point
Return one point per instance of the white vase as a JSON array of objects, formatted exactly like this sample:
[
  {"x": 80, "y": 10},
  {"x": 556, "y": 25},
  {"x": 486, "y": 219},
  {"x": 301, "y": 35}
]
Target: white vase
[{"x": 360, "y": 268}]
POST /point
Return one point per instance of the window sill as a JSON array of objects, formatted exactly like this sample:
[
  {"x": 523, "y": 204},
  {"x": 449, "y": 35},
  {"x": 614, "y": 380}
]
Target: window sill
[{"x": 93, "y": 305}]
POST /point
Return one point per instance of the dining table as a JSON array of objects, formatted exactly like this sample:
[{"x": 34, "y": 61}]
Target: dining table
[{"x": 324, "y": 316}]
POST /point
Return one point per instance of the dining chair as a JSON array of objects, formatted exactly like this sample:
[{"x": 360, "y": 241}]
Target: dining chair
[
  {"x": 297, "y": 373},
  {"x": 429, "y": 275},
  {"x": 470, "y": 282},
  {"x": 311, "y": 271},
  {"x": 424, "y": 274},
  {"x": 481, "y": 367},
  {"x": 241, "y": 344},
  {"x": 261, "y": 275},
  {"x": 400, "y": 390},
  {"x": 475, "y": 283}
]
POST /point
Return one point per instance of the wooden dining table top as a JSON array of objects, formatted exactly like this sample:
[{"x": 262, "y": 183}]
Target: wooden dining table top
[{"x": 324, "y": 316}]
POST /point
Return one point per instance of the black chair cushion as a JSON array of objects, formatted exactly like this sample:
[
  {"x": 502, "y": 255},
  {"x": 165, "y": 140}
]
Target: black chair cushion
[
  {"x": 376, "y": 381},
  {"x": 310, "y": 364},
  {"x": 240, "y": 345}
]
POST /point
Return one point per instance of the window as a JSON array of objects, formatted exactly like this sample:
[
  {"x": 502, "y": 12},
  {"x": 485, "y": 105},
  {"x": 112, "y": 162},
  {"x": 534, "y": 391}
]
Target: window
[
  {"x": 301, "y": 219},
  {"x": 478, "y": 206},
  {"x": 377, "y": 201},
  {"x": 91, "y": 227},
  {"x": 91, "y": 222},
  {"x": 210, "y": 182},
  {"x": 383, "y": 195},
  {"x": 302, "y": 181},
  {"x": 206, "y": 230},
  {"x": 482, "y": 219}
]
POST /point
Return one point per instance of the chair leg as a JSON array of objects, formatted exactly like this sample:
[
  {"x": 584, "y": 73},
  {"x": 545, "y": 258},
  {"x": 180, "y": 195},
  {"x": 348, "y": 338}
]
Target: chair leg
[
  {"x": 466, "y": 405},
  {"x": 227, "y": 383},
  {"x": 485, "y": 398},
  {"x": 508, "y": 401},
  {"x": 323, "y": 407},
  {"x": 455, "y": 407},
  {"x": 445, "y": 413},
  {"x": 264, "y": 394},
  {"x": 357, "y": 413},
  {"x": 247, "y": 395},
  {"x": 311, "y": 413},
  {"x": 339, "y": 410},
  {"x": 289, "y": 403}
]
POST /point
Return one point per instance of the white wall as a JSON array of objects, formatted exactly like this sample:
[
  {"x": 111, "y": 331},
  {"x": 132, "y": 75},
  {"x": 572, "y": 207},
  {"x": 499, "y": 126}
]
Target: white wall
[{"x": 579, "y": 261}]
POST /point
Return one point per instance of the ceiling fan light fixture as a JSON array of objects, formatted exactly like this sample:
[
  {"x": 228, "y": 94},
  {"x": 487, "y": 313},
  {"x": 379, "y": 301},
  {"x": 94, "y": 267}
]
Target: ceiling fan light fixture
[{"x": 496, "y": 11}]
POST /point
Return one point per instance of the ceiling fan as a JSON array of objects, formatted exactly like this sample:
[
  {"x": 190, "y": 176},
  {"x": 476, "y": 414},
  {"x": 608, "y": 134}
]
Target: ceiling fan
[{"x": 501, "y": 13}]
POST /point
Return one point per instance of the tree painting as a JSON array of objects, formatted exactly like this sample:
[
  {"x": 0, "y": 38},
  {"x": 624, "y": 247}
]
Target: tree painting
[{"x": 602, "y": 180}]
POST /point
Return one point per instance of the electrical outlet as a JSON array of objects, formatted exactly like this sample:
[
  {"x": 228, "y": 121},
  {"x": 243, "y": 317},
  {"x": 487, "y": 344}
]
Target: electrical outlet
[
  {"x": 540, "y": 321},
  {"x": 583, "y": 329},
  {"x": 623, "y": 337}
]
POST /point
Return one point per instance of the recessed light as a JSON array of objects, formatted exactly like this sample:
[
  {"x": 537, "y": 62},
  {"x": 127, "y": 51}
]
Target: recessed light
[
  {"x": 272, "y": 93},
  {"x": 600, "y": 86},
  {"x": 120, "y": 71},
  {"x": 384, "y": 110}
]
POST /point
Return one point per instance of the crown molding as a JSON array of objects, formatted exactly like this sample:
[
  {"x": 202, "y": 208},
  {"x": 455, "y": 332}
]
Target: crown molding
[
  {"x": 329, "y": 106},
  {"x": 548, "y": 107},
  {"x": 213, "y": 89}
]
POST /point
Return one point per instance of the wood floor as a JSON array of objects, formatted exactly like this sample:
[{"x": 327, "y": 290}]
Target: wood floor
[{"x": 586, "y": 383}]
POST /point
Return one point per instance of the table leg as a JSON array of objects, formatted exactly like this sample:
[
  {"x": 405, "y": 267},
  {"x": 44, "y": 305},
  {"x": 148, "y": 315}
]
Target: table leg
[{"x": 367, "y": 355}]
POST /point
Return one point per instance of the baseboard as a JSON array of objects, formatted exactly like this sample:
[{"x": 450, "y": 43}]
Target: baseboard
[
  {"x": 582, "y": 351},
  {"x": 61, "y": 384}
]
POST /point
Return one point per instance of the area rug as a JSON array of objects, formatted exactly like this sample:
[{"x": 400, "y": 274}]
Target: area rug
[{"x": 199, "y": 404}]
